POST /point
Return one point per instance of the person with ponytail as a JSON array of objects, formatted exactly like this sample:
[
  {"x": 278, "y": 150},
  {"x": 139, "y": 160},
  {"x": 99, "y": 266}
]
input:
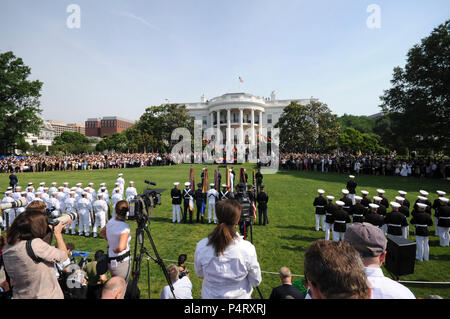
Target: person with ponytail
[
  {"x": 117, "y": 233},
  {"x": 227, "y": 263}
]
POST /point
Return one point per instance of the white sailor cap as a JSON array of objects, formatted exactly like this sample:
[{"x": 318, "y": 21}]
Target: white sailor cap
[
  {"x": 365, "y": 192},
  {"x": 117, "y": 183},
  {"x": 45, "y": 188},
  {"x": 61, "y": 187},
  {"x": 120, "y": 174},
  {"x": 103, "y": 184},
  {"x": 176, "y": 183},
  {"x": 37, "y": 199},
  {"x": 351, "y": 176},
  {"x": 402, "y": 192},
  {"x": 395, "y": 205},
  {"x": 380, "y": 191},
  {"x": 224, "y": 185},
  {"x": 55, "y": 194},
  {"x": 187, "y": 184},
  {"x": 84, "y": 193},
  {"x": 329, "y": 197},
  {"x": 358, "y": 198},
  {"x": 321, "y": 191},
  {"x": 54, "y": 183},
  {"x": 9, "y": 188},
  {"x": 422, "y": 205},
  {"x": 23, "y": 193},
  {"x": 72, "y": 192},
  {"x": 91, "y": 184},
  {"x": 422, "y": 198},
  {"x": 423, "y": 192},
  {"x": 8, "y": 192},
  {"x": 116, "y": 189},
  {"x": 38, "y": 193},
  {"x": 340, "y": 203},
  {"x": 79, "y": 184},
  {"x": 399, "y": 198},
  {"x": 66, "y": 183},
  {"x": 443, "y": 199},
  {"x": 345, "y": 191},
  {"x": 42, "y": 183},
  {"x": 30, "y": 183},
  {"x": 18, "y": 187},
  {"x": 131, "y": 182},
  {"x": 377, "y": 198},
  {"x": 212, "y": 184},
  {"x": 86, "y": 188},
  {"x": 441, "y": 193},
  {"x": 103, "y": 188},
  {"x": 100, "y": 194},
  {"x": 372, "y": 205},
  {"x": 73, "y": 188},
  {"x": 30, "y": 188}
]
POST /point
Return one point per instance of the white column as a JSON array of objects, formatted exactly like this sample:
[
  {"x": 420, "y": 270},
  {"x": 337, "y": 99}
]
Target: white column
[
  {"x": 260, "y": 125},
  {"x": 241, "y": 124},
  {"x": 253, "y": 128},
  {"x": 228, "y": 126},
  {"x": 212, "y": 119},
  {"x": 218, "y": 128}
]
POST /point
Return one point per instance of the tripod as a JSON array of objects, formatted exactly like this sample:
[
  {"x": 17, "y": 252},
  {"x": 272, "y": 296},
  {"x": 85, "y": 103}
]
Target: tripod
[
  {"x": 141, "y": 231},
  {"x": 251, "y": 240}
]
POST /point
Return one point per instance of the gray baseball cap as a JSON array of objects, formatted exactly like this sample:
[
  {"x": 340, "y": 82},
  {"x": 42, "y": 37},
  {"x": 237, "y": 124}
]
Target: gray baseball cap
[{"x": 366, "y": 238}]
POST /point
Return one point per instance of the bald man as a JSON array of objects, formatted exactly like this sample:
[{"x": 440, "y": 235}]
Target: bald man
[
  {"x": 114, "y": 288},
  {"x": 286, "y": 290}
]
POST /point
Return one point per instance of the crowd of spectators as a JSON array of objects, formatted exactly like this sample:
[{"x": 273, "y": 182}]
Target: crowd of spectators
[
  {"x": 84, "y": 162},
  {"x": 366, "y": 164}
]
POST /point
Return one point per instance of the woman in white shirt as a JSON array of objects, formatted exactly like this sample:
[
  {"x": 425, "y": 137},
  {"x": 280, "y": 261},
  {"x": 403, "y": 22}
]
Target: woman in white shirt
[
  {"x": 117, "y": 233},
  {"x": 227, "y": 263}
]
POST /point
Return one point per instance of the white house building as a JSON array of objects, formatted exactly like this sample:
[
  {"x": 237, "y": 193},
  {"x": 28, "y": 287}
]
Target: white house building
[
  {"x": 45, "y": 137},
  {"x": 242, "y": 112}
]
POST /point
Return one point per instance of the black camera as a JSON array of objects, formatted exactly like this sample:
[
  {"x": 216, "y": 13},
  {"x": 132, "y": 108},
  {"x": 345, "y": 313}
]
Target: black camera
[
  {"x": 245, "y": 201},
  {"x": 140, "y": 204}
]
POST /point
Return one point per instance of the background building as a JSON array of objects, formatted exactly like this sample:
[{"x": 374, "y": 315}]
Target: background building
[
  {"x": 61, "y": 127},
  {"x": 241, "y": 111},
  {"x": 45, "y": 138},
  {"x": 106, "y": 126}
]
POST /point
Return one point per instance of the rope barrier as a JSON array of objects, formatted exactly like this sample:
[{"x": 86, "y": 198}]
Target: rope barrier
[{"x": 295, "y": 275}]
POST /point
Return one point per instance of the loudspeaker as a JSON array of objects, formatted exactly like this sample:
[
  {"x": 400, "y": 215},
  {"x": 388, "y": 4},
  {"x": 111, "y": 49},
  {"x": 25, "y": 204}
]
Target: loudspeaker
[{"x": 401, "y": 256}]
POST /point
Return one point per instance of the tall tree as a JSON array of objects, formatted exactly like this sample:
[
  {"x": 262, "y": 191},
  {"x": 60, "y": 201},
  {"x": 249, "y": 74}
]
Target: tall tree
[
  {"x": 419, "y": 101},
  {"x": 19, "y": 102},
  {"x": 310, "y": 128},
  {"x": 158, "y": 123}
]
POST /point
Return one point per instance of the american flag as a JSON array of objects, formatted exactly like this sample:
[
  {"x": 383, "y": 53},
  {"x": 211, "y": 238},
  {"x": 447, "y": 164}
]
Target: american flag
[{"x": 241, "y": 80}]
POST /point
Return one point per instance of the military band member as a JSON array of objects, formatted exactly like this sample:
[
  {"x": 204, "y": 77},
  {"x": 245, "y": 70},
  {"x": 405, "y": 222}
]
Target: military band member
[
  {"x": 212, "y": 197},
  {"x": 422, "y": 220},
  {"x": 423, "y": 200},
  {"x": 373, "y": 217},
  {"x": 70, "y": 207},
  {"x": 188, "y": 195},
  {"x": 84, "y": 208},
  {"x": 347, "y": 201},
  {"x": 444, "y": 221},
  {"x": 225, "y": 193},
  {"x": 365, "y": 201},
  {"x": 351, "y": 187},
  {"x": 340, "y": 221},
  {"x": 100, "y": 208},
  {"x": 358, "y": 211},
  {"x": 262, "y": 198},
  {"x": 396, "y": 222},
  {"x": 330, "y": 208},
  {"x": 435, "y": 206},
  {"x": 175, "y": 193},
  {"x": 319, "y": 203},
  {"x": 259, "y": 180},
  {"x": 200, "y": 198},
  {"x": 405, "y": 201},
  {"x": 384, "y": 201}
]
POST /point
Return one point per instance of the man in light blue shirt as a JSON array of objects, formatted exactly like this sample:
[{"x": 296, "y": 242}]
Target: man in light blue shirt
[{"x": 371, "y": 243}]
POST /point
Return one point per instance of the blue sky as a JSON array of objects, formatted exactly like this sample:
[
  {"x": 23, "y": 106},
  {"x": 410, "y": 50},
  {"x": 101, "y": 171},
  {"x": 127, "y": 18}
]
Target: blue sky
[{"x": 129, "y": 55}]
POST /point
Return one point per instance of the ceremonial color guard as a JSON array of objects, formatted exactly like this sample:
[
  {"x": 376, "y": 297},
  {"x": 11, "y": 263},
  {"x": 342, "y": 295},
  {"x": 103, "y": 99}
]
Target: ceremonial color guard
[
  {"x": 175, "y": 193},
  {"x": 319, "y": 203},
  {"x": 422, "y": 220}
]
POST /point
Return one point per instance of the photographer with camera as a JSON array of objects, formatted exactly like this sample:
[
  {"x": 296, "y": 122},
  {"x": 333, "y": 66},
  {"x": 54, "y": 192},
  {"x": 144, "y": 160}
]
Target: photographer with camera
[
  {"x": 117, "y": 233},
  {"x": 29, "y": 260},
  {"x": 225, "y": 249}
]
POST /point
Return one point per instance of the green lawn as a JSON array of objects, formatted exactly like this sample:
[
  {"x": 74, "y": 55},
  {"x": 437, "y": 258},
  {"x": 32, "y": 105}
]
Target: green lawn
[{"x": 281, "y": 243}]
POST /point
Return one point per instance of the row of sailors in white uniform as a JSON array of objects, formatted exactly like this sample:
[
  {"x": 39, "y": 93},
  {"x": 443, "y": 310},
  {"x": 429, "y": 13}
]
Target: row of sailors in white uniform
[{"x": 84, "y": 201}]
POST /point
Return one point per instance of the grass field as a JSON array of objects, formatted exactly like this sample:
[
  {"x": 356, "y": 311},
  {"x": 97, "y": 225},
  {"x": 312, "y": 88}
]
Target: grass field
[{"x": 281, "y": 243}]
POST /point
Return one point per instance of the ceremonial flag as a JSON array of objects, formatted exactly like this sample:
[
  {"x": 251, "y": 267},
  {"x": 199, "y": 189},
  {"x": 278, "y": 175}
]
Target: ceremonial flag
[
  {"x": 228, "y": 178},
  {"x": 254, "y": 210},
  {"x": 254, "y": 192},
  {"x": 191, "y": 179},
  {"x": 241, "y": 80},
  {"x": 205, "y": 181}
]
